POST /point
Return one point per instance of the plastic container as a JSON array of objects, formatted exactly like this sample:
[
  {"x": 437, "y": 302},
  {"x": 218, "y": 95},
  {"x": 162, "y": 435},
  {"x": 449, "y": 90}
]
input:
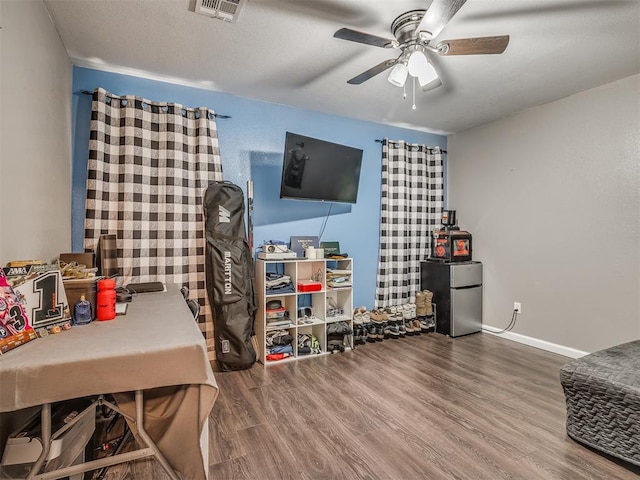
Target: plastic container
[
  {"x": 82, "y": 311},
  {"x": 106, "y": 299}
]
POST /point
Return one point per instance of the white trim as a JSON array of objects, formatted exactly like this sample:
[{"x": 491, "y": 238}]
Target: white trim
[
  {"x": 97, "y": 64},
  {"x": 134, "y": 72},
  {"x": 535, "y": 342}
]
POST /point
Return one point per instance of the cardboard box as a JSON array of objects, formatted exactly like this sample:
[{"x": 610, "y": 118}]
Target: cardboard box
[
  {"x": 86, "y": 259},
  {"x": 75, "y": 288}
]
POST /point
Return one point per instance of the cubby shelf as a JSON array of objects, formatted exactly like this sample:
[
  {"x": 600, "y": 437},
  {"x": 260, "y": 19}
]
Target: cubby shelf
[{"x": 328, "y": 305}]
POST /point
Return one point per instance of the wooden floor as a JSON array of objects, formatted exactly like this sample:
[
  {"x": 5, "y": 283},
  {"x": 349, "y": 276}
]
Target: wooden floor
[{"x": 423, "y": 407}]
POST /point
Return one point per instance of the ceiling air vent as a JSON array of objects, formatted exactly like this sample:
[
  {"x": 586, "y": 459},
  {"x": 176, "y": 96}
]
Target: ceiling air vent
[{"x": 227, "y": 10}]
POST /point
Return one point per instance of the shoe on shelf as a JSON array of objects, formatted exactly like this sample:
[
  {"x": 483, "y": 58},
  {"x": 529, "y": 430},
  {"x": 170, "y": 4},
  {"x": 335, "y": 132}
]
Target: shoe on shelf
[
  {"x": 378, "y": 316},
  {"x": 380, "y": 331},
  {"x": 393, "y": 330},
  {"x": 394, "y": 313},
  {"x": 362, "y": 335},
  {"x": 417, "y": 329},
  {"x": 357, "y": 331},
  {"x": 372, "y": 333},
  {"x": 402, "y": 331},
  {"x": 424, "y": 326},
  {"x": 408, "y": 325},
  {"x": 428, "y": 300},
  {"x": 386, "y": 331}
]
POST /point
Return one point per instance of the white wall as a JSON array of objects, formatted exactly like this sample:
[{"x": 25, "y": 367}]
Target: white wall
[
  {"x": 552, "y": 198},
  {"x": 35, "y": 133}
]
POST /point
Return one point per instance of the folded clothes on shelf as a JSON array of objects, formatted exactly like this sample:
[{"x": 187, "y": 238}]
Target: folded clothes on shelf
[
  {"x": 278, "y": 283},
  {"x": 278, "y": 337}
]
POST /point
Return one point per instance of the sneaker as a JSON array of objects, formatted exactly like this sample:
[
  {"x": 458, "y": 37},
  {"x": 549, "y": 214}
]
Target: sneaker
[
  {"x": 424, "y": 326},
  {"x": 402, "y": 331},
  {"x": 386, "y": 330},
  {"x": 372, "y": 333},
  {"x": 390, "y": 312},
  {"x": 408, "y": 326},
  {"x": 380, "y": 332},
  {"x": 378, "y": 316},
  {"x": 357, "y": 333},
  {"x": 393, "y": 330},
  {"x": 417, "y": 330},
  {"x": 363, "y": 335},
  {"x": 416, "y": 326}
]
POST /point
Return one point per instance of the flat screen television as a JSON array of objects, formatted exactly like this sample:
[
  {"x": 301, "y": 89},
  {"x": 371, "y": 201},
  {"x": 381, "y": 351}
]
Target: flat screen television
[{"x": 318, "y": 170}]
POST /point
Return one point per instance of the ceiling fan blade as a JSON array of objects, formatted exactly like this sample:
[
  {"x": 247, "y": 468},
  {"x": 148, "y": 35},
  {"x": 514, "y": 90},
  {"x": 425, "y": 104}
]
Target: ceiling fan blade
[
  {"x": 367, "y": 39},
  {"x": 474, "y": 46},
  {"x": 337, "y": 11},
  {"x": 372, "y": 72},
  {"x": 437, "y": 16}
]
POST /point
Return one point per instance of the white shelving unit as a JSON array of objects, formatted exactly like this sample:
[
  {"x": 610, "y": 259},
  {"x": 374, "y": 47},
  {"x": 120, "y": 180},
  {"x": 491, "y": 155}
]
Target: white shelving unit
[{"x": 333, "y": 302}]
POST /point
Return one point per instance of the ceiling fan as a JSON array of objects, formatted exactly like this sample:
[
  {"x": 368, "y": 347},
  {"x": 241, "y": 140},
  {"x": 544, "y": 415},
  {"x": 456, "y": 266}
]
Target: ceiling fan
[{"x": 415, "y": 32}]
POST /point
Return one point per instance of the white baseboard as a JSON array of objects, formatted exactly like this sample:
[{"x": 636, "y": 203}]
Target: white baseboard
[{"x": 535, "y": 342}]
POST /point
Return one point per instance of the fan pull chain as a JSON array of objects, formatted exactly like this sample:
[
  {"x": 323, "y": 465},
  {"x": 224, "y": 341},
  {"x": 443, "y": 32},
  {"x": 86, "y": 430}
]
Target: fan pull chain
[
  {"x": 413, "y": 107},
  {"x": 404, "y": 91}
]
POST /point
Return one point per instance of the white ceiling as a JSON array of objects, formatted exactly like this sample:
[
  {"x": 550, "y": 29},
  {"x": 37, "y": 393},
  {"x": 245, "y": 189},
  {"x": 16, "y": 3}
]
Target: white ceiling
[{"x": 283, "y": 51}]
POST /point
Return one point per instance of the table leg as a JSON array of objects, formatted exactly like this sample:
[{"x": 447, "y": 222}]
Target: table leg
[{"x": 45, "y": 416}]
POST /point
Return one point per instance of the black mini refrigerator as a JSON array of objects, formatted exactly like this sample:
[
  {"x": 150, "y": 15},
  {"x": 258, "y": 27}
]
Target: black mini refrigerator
[{"x": 457, "y": 293}]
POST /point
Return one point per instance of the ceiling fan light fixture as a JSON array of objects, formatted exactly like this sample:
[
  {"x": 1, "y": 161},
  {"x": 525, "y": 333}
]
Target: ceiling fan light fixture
[
  {"x": 398, "y": 75},
  {"x": 427, "y": 75},
  {"x": 418, "y": 63}
]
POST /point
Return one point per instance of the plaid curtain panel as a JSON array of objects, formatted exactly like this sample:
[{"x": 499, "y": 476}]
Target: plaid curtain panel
[
  {"x": 411, "y": 207},
  {"x": 149, "y": 165}
]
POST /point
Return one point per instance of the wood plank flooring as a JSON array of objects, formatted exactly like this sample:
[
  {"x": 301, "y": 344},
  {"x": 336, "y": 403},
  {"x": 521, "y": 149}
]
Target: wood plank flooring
[{"x": 422, "y": 407}]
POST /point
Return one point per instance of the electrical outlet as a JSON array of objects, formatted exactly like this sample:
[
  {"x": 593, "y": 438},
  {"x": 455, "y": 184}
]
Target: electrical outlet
[{"x": 517, "y": 307}]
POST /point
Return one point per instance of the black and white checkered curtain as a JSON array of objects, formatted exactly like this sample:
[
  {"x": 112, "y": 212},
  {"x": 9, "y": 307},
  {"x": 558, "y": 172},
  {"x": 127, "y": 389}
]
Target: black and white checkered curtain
[
  {"x": 411, "y": 207},
  {"x": 149, "y": 164}
]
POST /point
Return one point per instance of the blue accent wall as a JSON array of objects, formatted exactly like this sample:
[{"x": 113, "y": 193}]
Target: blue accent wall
[{"x": 252, "y": 148}]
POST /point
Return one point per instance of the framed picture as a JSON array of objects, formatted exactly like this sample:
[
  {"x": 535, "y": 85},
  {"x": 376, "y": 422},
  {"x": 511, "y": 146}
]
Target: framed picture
[
  {"x": 330, "y": 248},
  {"x": 300, "y": 244}
]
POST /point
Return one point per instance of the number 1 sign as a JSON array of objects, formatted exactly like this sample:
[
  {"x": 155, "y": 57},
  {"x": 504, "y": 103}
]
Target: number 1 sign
[{"x": 42, "y": 292}]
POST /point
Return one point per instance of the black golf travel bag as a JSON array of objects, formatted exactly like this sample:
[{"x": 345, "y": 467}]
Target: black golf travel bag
[{"x": 229, "y": 275}]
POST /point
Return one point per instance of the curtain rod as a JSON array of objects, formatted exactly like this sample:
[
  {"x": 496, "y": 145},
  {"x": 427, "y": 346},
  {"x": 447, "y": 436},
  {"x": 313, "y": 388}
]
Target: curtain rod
[
  {"x": 87, "y": 92},
  {"x": 380, "y": 140}
]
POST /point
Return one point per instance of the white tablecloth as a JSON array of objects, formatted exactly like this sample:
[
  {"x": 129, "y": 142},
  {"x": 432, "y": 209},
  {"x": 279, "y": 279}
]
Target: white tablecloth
[{"x": 156, "y": 344}]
